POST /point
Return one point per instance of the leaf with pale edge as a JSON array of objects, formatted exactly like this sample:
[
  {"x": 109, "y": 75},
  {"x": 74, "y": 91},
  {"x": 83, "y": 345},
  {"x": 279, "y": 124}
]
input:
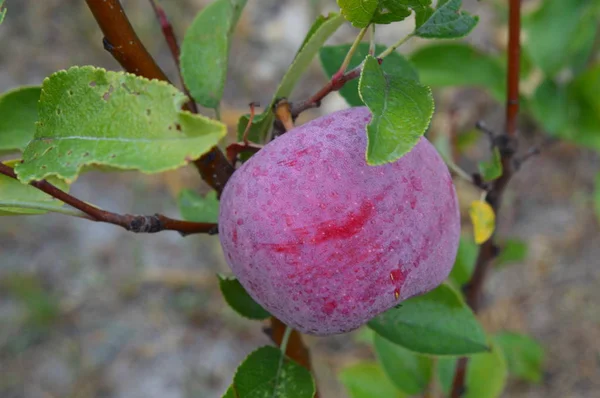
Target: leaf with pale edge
[
  {"x": 524, "y": 355},
  {"x": 368, "y": 380},
  {"x": 483, "y": 219},
  {"x": 332, "y": 57},
  {"x": 358, "y": 12},
  {"x": 458, "y": 64},
  {"x": 205, "y": 50},
  {"x": 88, "y": 116},
  {"x": 264, "y": 374},
  {"x": 19, "y": 112},
  {"x": 492, "y": 169},
  {"x": 321, "y": 30},
  {"x": 437, "y": 323},
  {"x": 238, "y": 298},
  {"x": 401, "y": 108},
  {"x": 194, "y": 207},
  {"x": 410, "y": 372},
  {"x": 18, "y": 198},
  {"x": 447, "y": 22}
]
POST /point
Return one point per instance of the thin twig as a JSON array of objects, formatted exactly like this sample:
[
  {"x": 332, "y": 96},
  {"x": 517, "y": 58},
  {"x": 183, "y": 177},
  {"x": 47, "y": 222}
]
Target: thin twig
[
  {"x": 126, "y": 47},
  {"x": 133, "y": 223},
  {"x": 506, "y": 144},
  {"x": 171, "y": 39},
  {"x": 350, "y": 54}
]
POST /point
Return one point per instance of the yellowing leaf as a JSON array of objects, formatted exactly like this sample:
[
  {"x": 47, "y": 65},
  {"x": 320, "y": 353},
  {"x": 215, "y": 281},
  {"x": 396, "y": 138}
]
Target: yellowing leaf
[{"x": 483, "y": 219}]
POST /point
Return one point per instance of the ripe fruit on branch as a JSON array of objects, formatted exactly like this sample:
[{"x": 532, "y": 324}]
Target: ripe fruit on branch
[{"x": 324, "y": 241}]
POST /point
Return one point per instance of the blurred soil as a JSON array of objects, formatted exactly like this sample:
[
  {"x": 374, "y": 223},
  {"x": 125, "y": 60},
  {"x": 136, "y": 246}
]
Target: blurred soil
[{"x": 89, "y": 310}]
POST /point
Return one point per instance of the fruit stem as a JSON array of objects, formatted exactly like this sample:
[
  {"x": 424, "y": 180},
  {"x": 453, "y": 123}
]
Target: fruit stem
[
  {"x": 350, "y": 53},
  {"x": 394, "y": 46}
]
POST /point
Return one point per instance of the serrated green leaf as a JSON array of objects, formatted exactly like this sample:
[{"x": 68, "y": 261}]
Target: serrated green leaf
[
  {"x": 410, "y": 372},
  {"x": 422, "y": 9},
  {"x": 553, "y": 29},
  {"x": 18, "y": 108},
  {"x": 238, "y": 299},
  {"x": 367, "y": 380},
  {"x": 458, "y": 64},
  {"x": 230, "y": 393},
  {"x": 88, "y": 116},
  {"x": 524, "y": 356},
  {"x": 390, "y": 11},
  {"x": 358, "y": 12},
  {"x": 492, "y": 169},
  {"x": 437, "y": 323},
  {"x": 17, "y": 198},
  {"x": 264, "y": 374},
  {"x": 465, "y": 261},
  {"x": 205, "y": 50},
  {"x": 486, "y": 374},
  {"x": 332, "y": 57},
  {"x": 512, "y": 251},
  {"x": 447, "y": 22},
  {"x": 401, "y": 108},
  {"x": 321, "y": 30},
  {"x": 194, "y": 207}
]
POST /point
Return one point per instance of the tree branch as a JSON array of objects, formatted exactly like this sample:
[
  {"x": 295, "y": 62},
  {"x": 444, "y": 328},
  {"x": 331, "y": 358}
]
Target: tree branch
[
  {"x": 133, "y": 223},
  {"x": 507, "y": 146},
  {"x": 125, "y": 46}
]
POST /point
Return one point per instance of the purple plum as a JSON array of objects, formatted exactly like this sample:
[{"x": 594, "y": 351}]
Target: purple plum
[{"x": 325, "y": 242}]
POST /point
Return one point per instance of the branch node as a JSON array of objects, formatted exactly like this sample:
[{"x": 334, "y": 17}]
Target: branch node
[{"x": 145, "y": 224}]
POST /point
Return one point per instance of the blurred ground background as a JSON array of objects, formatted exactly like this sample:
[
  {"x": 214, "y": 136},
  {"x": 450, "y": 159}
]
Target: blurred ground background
[{"x": 90, "y": 310}]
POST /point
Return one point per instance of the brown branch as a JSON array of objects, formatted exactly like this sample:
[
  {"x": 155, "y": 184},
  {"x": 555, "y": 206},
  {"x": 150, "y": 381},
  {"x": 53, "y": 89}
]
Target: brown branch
[
  {"x": 125, "y": 46},
  {"x": 507, "y": 146},
  {"x": 171, "y": 40},
  {"x": 133, "y": 223},
  {"x": 296, "y": 349}
]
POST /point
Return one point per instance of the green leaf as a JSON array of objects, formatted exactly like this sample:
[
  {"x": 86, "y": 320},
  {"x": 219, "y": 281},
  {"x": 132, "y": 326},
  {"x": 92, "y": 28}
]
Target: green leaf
[
  {"x": 358, "y": 12},
  {"x": 513, "y": 251},
  {"x": 401, "y": 108},
  {"x": 458, "y": 64},
  {"x": 446, "y": 367},
  {"x": 367, "y": 380},
  {"x": 238, "y": 299},
  {"x": 333, "y": 56},
  {"x": 422, "y": 9},
  {"x": 597, "y": 196},
  {"x": 321, "y": 30},
  {"x": 390, "y": 11},
  {"x": 486, "y": 374},
  {"x": 230, "y": 393},
  {"x": 491, "y": 169},
  {"x": 553, "y": 29},
  {"x": 447, "y": 22},
  {"x": 18, "y": 198},
  {"x": 410, "y": 372},
  {"x": 524, "y": 356},
  {"x": 264, "y": 374},
  {"x": 194, "y": 207},
  {"x": 205, "y": 50},
  {"x": 88, "y": 116},
  {"x": 465, "y": 261},
  {"x": 437, "y": 323},
  {"x": 549, "y": 106},
  {"x": 19, "y": 113},
  {"x": 2, "y": 11}
]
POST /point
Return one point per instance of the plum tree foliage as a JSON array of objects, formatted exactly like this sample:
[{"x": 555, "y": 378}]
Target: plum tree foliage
[{"x": 349, "y": 220}]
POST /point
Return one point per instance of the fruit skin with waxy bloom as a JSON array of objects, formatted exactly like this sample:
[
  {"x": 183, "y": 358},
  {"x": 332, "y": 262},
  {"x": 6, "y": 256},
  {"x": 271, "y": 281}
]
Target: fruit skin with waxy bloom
[{"x": 324, "y": 241}]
